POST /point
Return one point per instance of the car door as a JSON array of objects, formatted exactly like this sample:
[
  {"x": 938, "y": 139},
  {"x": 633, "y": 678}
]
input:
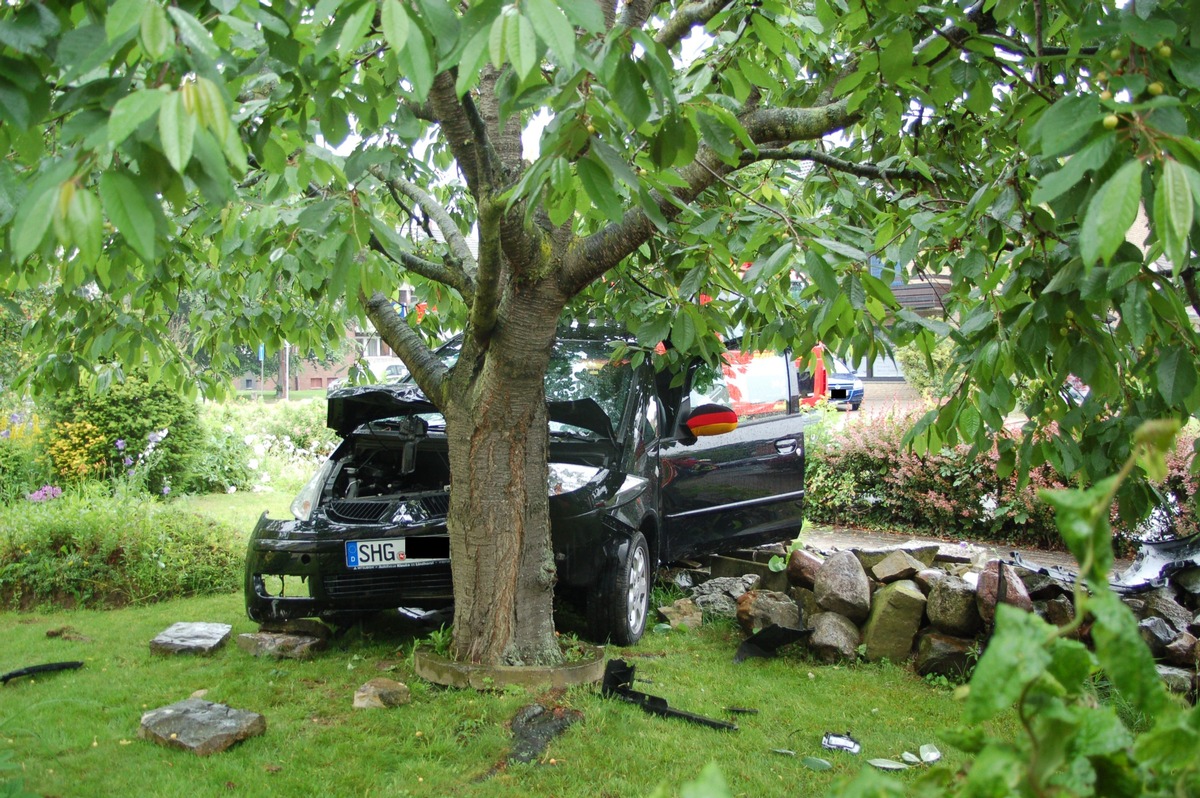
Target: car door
[{"x": 740, "y": 488}]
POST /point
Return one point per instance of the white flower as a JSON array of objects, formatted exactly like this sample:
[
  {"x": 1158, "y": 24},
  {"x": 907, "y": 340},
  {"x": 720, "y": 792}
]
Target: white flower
[
  {"x": 260, "y": 449},
  {"x": 231, "y": 489},
  {"x": 253, "y": 464}
]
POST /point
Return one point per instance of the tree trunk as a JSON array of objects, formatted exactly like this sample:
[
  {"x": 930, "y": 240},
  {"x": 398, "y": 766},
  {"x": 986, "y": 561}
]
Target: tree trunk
[{"x": 499, "y": 520}]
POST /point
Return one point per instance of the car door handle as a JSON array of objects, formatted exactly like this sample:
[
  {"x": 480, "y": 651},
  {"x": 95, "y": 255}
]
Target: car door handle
[{"x": 786, "y": 445}]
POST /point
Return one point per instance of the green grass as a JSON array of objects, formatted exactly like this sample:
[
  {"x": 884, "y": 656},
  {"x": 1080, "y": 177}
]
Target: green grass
[
  {"x": 240, "y": 510},
  {"x": 74, "y": 733}
]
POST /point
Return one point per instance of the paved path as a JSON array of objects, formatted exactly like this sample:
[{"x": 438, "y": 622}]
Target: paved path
[{"x": 830, "y": 538}]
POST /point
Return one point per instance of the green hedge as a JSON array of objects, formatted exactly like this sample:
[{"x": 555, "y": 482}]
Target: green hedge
[
  {"x": 97, "y": 551},
  {"x": 863, "y": 476}
]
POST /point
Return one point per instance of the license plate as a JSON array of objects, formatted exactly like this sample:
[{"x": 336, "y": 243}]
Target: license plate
[{"x": 387, "y": 553}]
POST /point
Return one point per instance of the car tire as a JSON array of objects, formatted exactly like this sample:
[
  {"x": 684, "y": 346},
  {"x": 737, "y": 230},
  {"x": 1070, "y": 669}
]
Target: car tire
[
  {"x": 619, "y": 603},
  {"x": 855, "y": 405}
]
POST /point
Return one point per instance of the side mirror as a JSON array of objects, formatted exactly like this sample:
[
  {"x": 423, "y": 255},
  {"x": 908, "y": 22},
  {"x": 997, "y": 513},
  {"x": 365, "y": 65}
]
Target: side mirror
[{"x": 711, "y": 420}]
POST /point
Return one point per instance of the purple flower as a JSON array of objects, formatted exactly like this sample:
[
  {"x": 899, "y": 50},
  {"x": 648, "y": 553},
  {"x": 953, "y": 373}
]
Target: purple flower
[
  {"x": 166, "y": 489},
  {"x": 44, "y": 493},
  {"x": 128, "y": 461},
  {"x": 15, "y": 419},
  {"x": 121, "y": 445},
  {"x": 4, "y": 433}
]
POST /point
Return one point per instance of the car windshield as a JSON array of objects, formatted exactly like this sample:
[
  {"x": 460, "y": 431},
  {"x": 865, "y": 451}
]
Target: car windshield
[{"x": 579, "y": 368}]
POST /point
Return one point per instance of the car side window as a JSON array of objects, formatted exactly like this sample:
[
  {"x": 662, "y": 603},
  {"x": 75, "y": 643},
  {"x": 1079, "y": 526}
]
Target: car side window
[{"x": 755, "y": 385}]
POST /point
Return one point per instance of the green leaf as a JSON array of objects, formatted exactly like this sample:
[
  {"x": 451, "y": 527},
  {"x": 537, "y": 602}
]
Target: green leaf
[
  {"x": 122, "y": 16},
  {"x": 395, "y": 24},
  {"x": 588, "y": 16},
  {"x": 553, "y": 28},
  {"x": 1175, "y": 194},
  {"x": 177, "y": 129},
  {"x": 630, "y": 93},
  {"x": 416, "y": 62},
  {"x": 895, "y": 60},
  {"x": 1064, "y": 123},
  {"x": 471, "y": 62},
  {"x": 131, "y": 111},
  {"x": 1176, "y": 372},
  {"x": 1122, "y": 653},
  {"x": 1016, "y": 656},
  {"x": 129, "y": 212},
  {"x": 815, "y": 763},
  {"x": 683, "y": 331},
  {"x": 1091, "y": 157},
  {"x": 353, "y": 31},
  {"x": 31, "y": 223},
  {"x": 598, "y": 183},
  {"x": 520, "y": 45},
  {"x": 193, "y": 34},
  {"x": 1110, "y": 214},
  {"x": 157, "y": 37},
  {"x": 84, "y": 225}
]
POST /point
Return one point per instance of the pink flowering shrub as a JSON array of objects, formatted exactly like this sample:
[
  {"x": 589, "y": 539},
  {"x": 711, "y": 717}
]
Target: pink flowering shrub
[{"x": 865, "y": 477}]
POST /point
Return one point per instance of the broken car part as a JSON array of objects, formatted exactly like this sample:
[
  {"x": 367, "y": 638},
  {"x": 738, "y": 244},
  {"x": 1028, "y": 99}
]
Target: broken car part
[
  {"x": 618, "y": 676},
  {"x": 840, "y": 742},
  {"x": 766, "y": 642},
  {"x": 1155, "y": 561},
  {"x": 49, "y": 667}
]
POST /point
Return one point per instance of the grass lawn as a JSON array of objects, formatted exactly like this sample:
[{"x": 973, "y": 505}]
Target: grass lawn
[{"x": 74, "y": 733}]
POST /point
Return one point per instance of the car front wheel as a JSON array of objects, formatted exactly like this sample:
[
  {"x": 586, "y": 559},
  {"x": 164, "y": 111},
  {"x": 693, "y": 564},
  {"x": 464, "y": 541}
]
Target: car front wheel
[{"x": 620, "y": 600}]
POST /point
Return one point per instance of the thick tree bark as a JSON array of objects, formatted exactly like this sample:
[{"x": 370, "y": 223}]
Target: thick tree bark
[{"x": 499, "y": 519}]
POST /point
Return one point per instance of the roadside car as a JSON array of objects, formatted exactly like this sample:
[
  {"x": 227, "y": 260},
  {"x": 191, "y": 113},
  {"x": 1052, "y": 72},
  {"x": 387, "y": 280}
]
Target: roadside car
[
  {"x": 641, "y": 473},
  {"x": 845, "y": 386}
]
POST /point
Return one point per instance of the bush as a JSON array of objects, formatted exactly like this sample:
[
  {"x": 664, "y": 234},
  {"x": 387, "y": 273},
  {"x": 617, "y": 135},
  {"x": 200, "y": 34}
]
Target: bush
[
  {"x": 864, "y": 476},
  {"x": 223, "y": 462},
  {"x": 91, "y": 550},
  {"x": 283, "y": 442},
  {"x": 916, "y": 368},
  {"x": 100, "y": 435},
  {"x": 23, "y": 465}
]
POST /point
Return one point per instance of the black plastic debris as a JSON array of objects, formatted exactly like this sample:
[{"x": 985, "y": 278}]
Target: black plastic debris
[
  {"x": 840, "y": 742},
  {"x": 618, "y": 678},
  {"x": 766, "y": 642},
  {"x": 535, "y": 726},
  {"x": 49, "y": 667}
]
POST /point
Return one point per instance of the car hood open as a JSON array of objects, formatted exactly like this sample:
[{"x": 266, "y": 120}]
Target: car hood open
[{"x": 351, "y": 407}]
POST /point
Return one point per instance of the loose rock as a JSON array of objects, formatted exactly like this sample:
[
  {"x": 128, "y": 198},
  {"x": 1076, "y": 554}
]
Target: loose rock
[
  {"x": 200, "y": 726},
  {"x": 988, "y": 592},
  {"x": 381, "y": 693},
  {"x": 802, "y": 567},
  {"x": 719, "y": 596},
  {"x": 944, "y": 655},
  {"x": 191, "y": 638},
  {"x": 896, "y": 566},
  {"x": 757, "y": 609},
  {"x": 842, "y": 587},
  {"x": 1183, "y": 651},
  {"x": 953, "y": 608},
  {"x": 834, "y": 638},
  {"x": 1157, "y": 633},
  {"x": 682, "y": 612},
  {"x": 279, "y": 645},
  {"x": 894, "y": 622},
  {"x": 1177, "y": 680}
]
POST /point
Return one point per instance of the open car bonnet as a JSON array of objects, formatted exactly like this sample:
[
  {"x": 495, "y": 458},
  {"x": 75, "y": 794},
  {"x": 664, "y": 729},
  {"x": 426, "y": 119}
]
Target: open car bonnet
[{"x": 350, "y": 408}]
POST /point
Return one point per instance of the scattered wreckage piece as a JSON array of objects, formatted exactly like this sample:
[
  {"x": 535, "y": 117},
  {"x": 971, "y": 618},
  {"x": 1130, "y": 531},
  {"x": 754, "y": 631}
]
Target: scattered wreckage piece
[
  {"x": 618, "y": 681},
  {"x": 49, "y": 667},
  {"x": 841, "y": 742},
  {"x": 1155, "y": 562},
  {"x": 766, "y": 642}
]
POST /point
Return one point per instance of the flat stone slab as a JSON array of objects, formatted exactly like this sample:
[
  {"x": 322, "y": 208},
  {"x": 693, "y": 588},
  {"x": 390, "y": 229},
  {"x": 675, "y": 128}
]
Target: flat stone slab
[
  {"x": 280, "y": 645},
  {"x": 191, "y": 638},
  {"x": 200, "y": 726}
]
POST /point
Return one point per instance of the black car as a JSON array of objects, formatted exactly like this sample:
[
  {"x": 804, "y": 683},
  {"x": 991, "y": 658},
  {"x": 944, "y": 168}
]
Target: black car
[{"x": 641, "y": 472}]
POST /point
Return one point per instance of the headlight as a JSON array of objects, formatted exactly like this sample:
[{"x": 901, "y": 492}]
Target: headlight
[
  {"x": 858, "y": 385},
  {"x": 565, "y": 477},
  {"x": 306, "y": 500}
]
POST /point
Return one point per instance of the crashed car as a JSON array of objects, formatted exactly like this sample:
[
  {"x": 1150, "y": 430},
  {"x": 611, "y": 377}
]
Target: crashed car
[{"x": 641, "y": 473}]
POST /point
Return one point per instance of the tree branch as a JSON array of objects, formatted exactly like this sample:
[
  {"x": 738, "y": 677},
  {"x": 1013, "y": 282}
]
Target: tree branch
[
  {"x": 637, "y": 12},
  {"x": 850, "y": 167},
  {"x": 603, "y": 250},
  {"x": 486, "y": 305},
  {"x": 456, "y": 126},
  {"x": 430, "y": 373},
  {"x": 688, "y": 17},
  {"x": 461, "y": 253},
  {"x": 426, "y": 268}
]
